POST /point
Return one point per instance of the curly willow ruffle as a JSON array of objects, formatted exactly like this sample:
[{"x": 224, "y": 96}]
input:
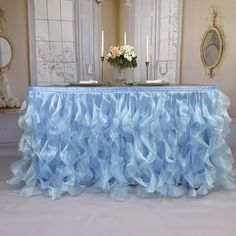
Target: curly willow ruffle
[{"x": 154, "y": 141}]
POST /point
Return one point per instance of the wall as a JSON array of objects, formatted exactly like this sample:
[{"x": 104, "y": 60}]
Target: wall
[
  {"x": 17, "y": 30},
  {"x": 110, "y": 25},
  {"x": 195, "y": 13},
  {"x": 194, "y": 25},
  {"x": 124, "y": 23},
  {"x": 18, "y": 76}
]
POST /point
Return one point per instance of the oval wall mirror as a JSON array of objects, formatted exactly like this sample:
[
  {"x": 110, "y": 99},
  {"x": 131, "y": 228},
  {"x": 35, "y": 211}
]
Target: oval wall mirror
[
  {"x": 7, "y": 101},
  {"x": 212, "y": 47},
  {"x": 6, "y": 52}
]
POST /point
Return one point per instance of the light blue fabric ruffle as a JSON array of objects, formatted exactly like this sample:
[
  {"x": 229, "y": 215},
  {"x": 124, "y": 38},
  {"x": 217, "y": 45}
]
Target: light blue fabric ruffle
[{"x": 152, "y": 141}]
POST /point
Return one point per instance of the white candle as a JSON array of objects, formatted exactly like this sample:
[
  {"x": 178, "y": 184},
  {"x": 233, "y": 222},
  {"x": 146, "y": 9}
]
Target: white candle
[
  {"x": 125, "y": 41},
  {"x": 147, "y": 59},
  {"x": 102, "y": 45}
]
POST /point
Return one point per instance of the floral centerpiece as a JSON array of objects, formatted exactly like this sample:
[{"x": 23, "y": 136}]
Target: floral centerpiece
[{"x": 122, "y": 57}]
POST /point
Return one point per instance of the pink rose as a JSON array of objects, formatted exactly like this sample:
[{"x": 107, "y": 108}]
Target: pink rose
[{"x": 114, "y": 52}]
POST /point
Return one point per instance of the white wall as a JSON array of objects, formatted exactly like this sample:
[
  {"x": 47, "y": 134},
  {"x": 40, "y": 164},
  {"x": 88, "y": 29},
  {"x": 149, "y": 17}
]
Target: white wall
[
  {"x": 124, "y": 23},
  {"x": 194, "y": 25},
  {"x": 110, "y": 25},
  {"x": 17, "y": 30},
  {"x": 195, "y": 13},
  {"x": 18, "y": 76}
]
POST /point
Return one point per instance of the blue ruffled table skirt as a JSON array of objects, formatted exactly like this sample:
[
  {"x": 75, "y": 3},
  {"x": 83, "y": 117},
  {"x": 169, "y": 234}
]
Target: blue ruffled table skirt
[{"x": 151, "y": 141}]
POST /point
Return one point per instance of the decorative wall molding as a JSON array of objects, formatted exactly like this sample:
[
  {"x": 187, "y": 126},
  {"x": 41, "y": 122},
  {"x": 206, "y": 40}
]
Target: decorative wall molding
[
  {"x": 164, "y": 28},
  {"x": 32, "y": 44},
  {"x": 2, "y": 19},
  {"x": 128, "y": 3},
  {"x": 88, "y": 35},
  {"x": 87, "y": 42}
]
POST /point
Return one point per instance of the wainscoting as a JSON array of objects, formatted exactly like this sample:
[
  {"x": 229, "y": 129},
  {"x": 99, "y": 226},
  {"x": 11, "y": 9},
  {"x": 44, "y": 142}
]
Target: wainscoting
[{"x": 9, "y": 131}]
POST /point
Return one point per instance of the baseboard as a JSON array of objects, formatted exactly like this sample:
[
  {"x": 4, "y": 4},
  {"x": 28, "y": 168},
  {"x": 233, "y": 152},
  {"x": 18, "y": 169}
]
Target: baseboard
[{"x": 8, "y": 149}]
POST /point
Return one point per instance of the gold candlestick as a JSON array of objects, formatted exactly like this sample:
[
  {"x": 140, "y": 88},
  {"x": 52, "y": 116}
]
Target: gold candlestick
[
  {"x": 102, "y": 60},
  {"x": 147, "y": 69}
]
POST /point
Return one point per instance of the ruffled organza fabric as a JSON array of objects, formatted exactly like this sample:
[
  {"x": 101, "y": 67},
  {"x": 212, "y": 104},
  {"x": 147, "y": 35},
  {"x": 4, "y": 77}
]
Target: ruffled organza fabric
[{"x": 148, "y": 141}]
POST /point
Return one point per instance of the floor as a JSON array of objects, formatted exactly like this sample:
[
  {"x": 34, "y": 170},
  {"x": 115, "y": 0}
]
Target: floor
[{"x": 99, "y": 215}]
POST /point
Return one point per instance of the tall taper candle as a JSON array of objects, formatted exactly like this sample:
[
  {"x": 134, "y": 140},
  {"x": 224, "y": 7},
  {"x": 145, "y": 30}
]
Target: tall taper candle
[
  {"x": 125, "y": 41},
  {"x": 147, "y": 59},
  {"x": 102, "y": 44}
]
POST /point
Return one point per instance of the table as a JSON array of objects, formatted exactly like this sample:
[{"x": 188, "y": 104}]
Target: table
[{"x": 151, "y": 141}]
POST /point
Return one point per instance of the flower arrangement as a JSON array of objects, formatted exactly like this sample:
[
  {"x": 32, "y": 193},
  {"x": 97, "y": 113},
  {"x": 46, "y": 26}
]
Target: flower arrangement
[{"x": 123, "y": 56}]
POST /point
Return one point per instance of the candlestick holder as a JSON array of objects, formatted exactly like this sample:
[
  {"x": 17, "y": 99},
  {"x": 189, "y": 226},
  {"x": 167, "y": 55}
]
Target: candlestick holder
[
  {"x": 102, "y": 60},
  {"x": 147, "y": 69}
]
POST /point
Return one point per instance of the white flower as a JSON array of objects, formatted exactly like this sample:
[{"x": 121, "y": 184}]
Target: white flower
[
  {"x": 109, "y": 54},
  {"x": 120, "y": 53},
  {"x": 127, "y": 50}
]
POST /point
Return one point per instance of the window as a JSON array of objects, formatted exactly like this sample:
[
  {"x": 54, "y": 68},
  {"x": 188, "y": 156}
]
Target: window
[
  {"x": 161, "y": 20},
  {"x": 65, "y": 39},
  {"x": 169, "y": 41},
  {"x": 57, "y": 43}
]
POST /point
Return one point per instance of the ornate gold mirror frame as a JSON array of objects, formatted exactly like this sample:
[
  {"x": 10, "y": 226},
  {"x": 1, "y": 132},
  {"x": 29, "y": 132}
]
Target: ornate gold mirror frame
[
  {"x": 6, "y": 67},
  {"x": 3, "y": 36},
  {"x": 8, "y": 103},
  {"x": 212, "y": 45}
]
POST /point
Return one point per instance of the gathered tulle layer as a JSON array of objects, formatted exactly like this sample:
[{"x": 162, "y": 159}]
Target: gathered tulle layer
[{"x": 149, "y": 141}]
